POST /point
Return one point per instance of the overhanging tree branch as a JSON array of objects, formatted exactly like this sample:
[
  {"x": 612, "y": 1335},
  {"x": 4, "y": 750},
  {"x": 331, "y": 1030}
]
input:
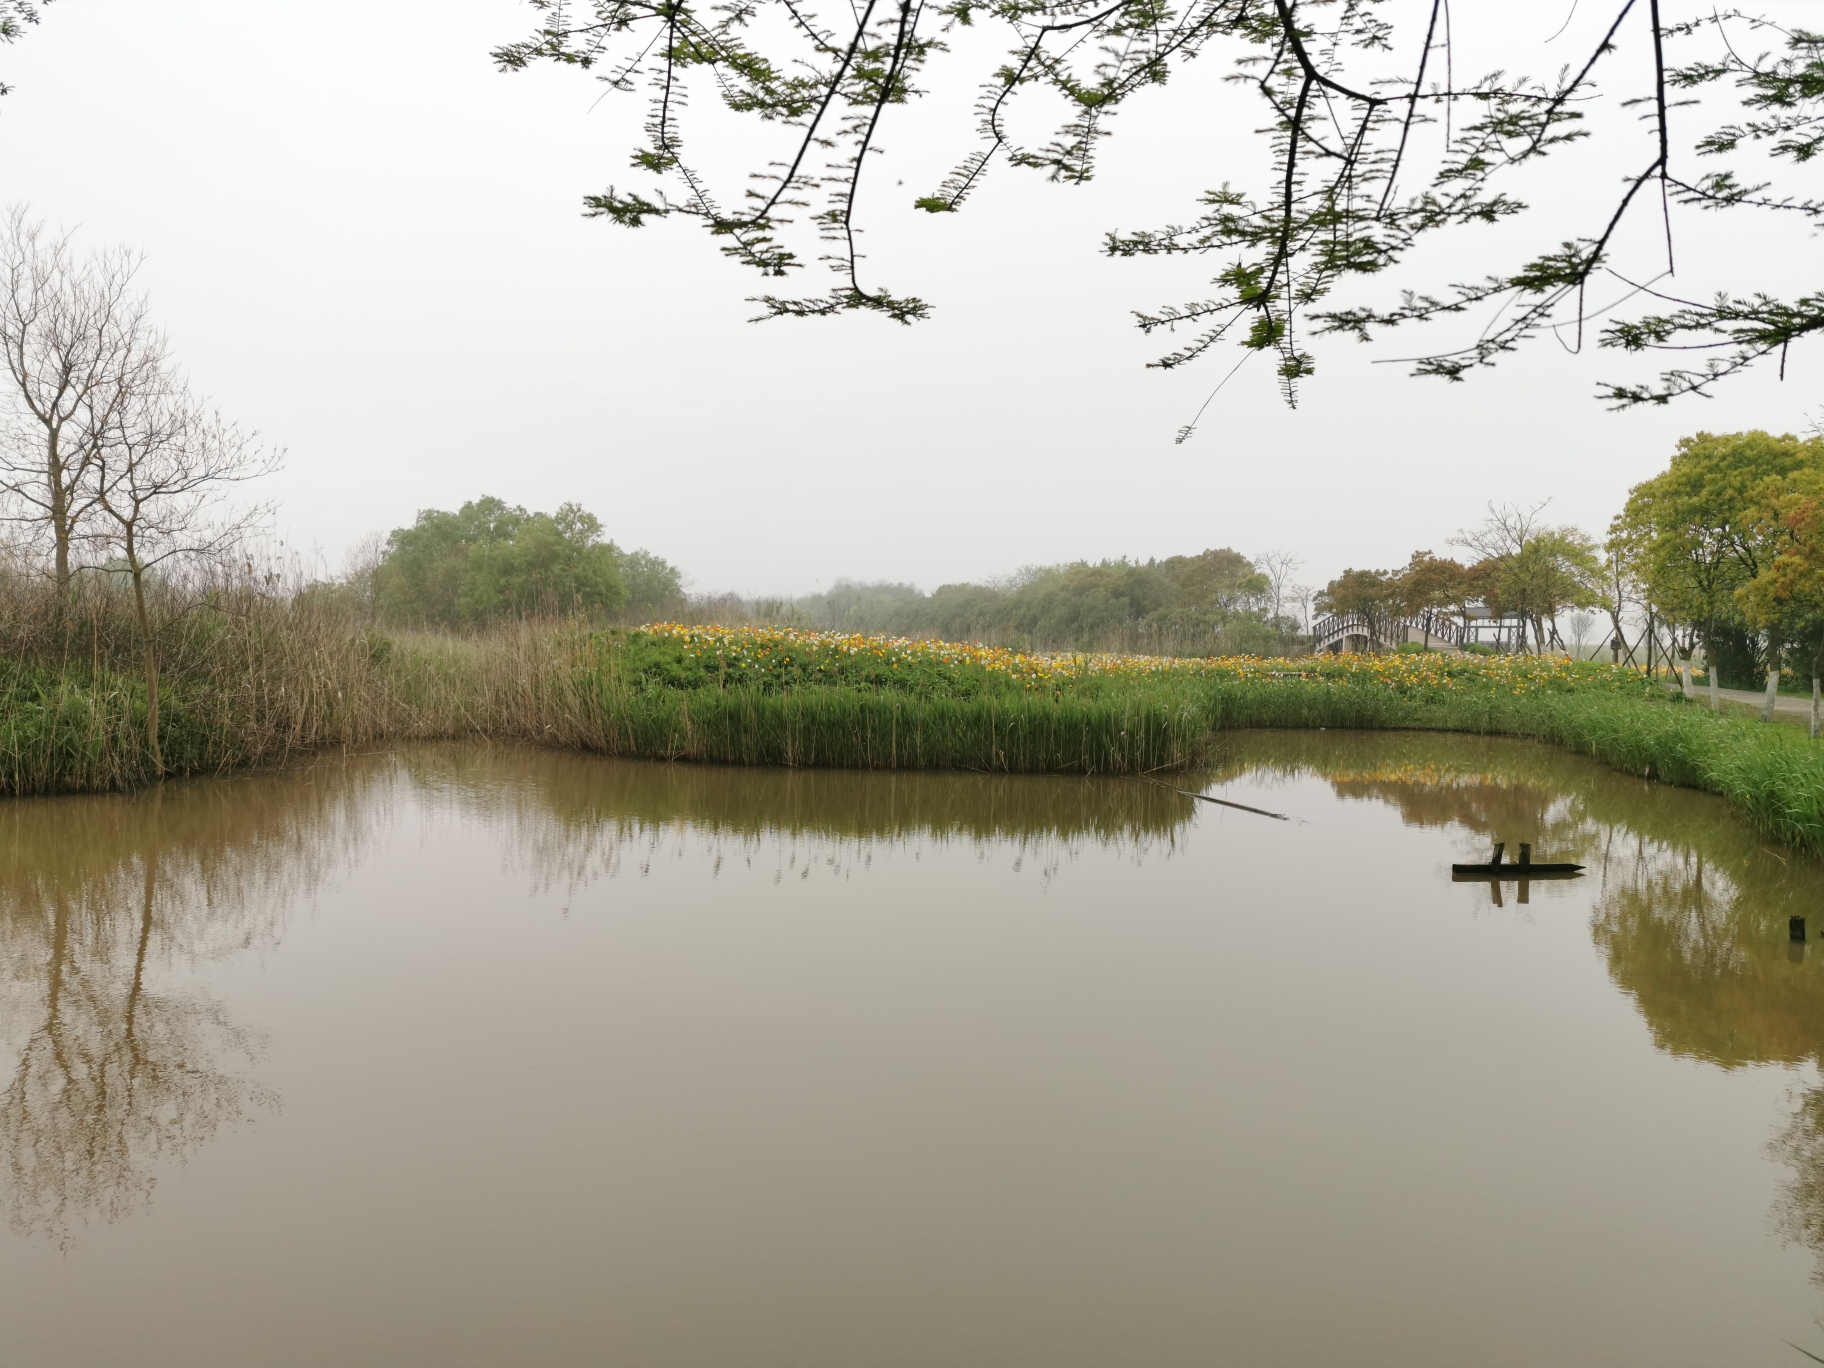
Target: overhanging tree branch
[{"x": 1348, "y": 119}]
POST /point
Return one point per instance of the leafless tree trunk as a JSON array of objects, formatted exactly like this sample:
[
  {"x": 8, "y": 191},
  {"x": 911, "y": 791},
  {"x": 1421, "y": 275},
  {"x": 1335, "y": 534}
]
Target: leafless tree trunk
[
  {"x": 361, "y": 573},
  {"x": 162, "y": 471},
  {"x": 78, "y": 344},
  {"x": 1278, "y": 566}
]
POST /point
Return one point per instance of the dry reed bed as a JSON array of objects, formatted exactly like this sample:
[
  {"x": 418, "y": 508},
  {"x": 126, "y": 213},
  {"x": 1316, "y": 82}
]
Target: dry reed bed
[{"x": 248, "y": 681}]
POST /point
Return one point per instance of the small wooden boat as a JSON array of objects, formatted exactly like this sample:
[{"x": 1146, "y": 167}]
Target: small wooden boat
[{"x": 1523, "y": 868}]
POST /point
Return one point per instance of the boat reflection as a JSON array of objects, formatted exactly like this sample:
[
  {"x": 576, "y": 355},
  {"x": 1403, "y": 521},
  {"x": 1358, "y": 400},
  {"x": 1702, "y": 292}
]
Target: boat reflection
[{"x": 1691, "y": 908}]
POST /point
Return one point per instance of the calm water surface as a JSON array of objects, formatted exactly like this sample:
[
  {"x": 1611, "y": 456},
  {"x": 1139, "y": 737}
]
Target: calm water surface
[{"x": 481, "y": 1057}]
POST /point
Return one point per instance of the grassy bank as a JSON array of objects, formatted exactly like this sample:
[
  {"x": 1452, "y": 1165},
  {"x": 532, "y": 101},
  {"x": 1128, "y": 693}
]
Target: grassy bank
[
  {"x": 770, "y": 697},
  {"x": 255, "y": 682}
]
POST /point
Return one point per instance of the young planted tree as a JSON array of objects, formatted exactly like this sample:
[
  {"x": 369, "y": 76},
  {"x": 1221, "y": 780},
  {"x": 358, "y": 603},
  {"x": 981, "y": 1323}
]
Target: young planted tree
[
  {"x": 1681, "y": 564},
  {"x": 78, "y": 346},
  {"x": 1497, "y": 543},
  {"x": 1557, "y": 569},
  {"x": 163, "y": 472}
]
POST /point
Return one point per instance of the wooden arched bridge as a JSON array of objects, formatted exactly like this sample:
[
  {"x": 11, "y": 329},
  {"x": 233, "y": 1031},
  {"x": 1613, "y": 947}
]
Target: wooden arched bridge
[{"x": 1359, "y": 632}]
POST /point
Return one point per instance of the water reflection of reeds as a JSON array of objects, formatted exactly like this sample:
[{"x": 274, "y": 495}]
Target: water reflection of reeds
[
  {"x": 118, "y": 1062},
  {"x": 575, "y": 819}
]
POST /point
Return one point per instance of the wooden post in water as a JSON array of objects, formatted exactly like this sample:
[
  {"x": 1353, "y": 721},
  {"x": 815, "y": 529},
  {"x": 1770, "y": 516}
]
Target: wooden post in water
[
  {"x": 1795, "y": 927},
  {"x": 1526, "y": 857}
]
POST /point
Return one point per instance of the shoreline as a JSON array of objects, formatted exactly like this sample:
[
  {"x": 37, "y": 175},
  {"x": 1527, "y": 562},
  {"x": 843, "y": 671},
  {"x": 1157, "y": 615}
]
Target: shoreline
[{"x": 1166, "y": 721}]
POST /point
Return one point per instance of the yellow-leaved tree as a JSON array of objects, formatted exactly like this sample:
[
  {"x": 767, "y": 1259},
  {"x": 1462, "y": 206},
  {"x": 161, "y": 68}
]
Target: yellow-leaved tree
[{"x": 1786, "y": 599}]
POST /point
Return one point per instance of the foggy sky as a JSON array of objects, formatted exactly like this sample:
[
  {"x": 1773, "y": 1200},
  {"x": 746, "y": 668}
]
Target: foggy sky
[{"x": 367, "y": 243}]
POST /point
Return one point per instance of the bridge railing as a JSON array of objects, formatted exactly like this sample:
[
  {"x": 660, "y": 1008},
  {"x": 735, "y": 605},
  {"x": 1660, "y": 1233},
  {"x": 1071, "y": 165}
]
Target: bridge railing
[{"x": 1328, "y": 631}]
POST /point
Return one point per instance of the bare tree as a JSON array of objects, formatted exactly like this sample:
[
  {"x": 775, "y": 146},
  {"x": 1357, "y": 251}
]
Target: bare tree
[
  {"x": 361, "y": 569},
  {"x": 1582, "y": 625},
  {"x": 78, "y": 346},
  {"x": 1505, "y": 535},
  {"x": 162, "y": 472},
  {"x": 1278, "y": 567}
]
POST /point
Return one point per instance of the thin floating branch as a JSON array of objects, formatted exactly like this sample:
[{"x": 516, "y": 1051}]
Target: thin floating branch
[{"x": 1224, "y": 802}]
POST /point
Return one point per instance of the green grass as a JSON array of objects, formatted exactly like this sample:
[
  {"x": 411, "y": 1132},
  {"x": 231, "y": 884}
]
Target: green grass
[
  {"x": 1136, "y": 723},
  {"x": 79, "y": 729},
  {"x": 258, "y": 690}
]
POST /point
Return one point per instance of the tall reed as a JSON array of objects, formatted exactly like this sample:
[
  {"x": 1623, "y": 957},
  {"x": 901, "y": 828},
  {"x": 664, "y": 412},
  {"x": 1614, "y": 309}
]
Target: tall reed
[
  {"x": 254, "y": 679},
  {"x": 251, "y": 678}
]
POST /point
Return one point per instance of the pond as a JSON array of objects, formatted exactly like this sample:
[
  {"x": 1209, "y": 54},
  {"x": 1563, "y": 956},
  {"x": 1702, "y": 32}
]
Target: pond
[{"x": 473, "y": 1056}]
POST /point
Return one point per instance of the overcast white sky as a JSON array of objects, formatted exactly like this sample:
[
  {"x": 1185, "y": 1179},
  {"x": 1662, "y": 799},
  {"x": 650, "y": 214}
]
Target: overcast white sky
[{"x": 367, "y": 243}]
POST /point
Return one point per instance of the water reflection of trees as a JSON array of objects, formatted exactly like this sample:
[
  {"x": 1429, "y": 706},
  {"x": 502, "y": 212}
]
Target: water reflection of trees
[
  {"x": 117, "y": 1061},
  {"x": 1690, "y": 908}
]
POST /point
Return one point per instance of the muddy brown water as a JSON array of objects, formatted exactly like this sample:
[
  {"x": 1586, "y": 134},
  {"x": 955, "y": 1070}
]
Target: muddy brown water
[{"x": 479, "y": 1057}]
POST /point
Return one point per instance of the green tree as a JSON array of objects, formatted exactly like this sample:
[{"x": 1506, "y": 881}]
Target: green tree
[
  {"x": 1216, "y": 581},
  {"x": 552, "y": 563},
  {"x": 1374, "y": 594},
  {"x": 1785, "y": 600},
  {"x": 1527, "y": 569},
  {"x": 1557, "y": 568},
  {"x": 1699, "y": 532},
  {"x": 421, "y": 576},
  {"x": 490, "y": 560},
  {"x": 655, "y": 587},
  {"x": 1215, "y": 600},
  {"x": 1683, "y": 570},
  {"x": 1078, "y": 605},
  {"x": 958, "y": 612}
]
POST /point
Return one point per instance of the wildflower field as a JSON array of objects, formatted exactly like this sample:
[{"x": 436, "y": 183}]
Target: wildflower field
[{"x": 776, "y": 659}]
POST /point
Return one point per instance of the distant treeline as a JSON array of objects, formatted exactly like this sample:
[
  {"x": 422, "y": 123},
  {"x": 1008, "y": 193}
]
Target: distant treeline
[
  {"x": 1218, "y": 601},
  {"x": 491, "y": 561}
]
